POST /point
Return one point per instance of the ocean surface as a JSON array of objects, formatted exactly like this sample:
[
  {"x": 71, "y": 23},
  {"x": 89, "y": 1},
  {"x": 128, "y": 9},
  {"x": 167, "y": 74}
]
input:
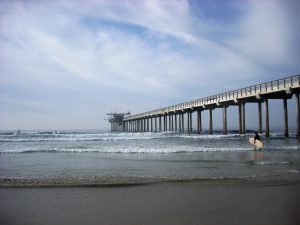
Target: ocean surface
[{"x": 95, "y": 156}]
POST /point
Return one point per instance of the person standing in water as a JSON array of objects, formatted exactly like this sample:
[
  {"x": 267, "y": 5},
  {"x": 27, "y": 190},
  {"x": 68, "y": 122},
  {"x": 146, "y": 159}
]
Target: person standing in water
[{"x": 256, "y": 137}]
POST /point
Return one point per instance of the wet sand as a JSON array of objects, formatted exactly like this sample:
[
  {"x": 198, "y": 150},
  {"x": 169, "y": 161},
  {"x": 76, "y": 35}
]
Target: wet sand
[{"x": 166, "y": 203}]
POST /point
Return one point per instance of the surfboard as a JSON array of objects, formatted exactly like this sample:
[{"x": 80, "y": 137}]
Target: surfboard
[{"x": 257, "y": 144}]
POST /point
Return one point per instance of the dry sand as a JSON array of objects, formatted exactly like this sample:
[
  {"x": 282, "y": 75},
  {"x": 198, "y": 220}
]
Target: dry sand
[{"x": 167, "y": 203}]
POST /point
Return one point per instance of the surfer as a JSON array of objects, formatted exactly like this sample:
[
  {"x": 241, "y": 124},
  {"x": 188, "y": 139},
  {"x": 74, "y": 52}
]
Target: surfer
[{"x": 256, "y": 137}]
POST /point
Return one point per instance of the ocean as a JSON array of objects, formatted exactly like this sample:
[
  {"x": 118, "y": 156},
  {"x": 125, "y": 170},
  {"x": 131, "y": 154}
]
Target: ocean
[{"x": 97, "y": 157}]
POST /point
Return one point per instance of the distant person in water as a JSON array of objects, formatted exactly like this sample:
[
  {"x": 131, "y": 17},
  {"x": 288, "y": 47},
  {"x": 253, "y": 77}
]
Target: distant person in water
[{"x": 18, "y": 132}]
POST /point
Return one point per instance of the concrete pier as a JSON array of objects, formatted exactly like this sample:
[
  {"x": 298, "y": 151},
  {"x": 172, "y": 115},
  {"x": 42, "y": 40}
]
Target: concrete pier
[{"x": 281, "y": 89}]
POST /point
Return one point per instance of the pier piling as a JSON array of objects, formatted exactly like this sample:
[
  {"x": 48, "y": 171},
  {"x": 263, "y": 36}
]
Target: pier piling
[
  {"x": 267, "y": 118},
  {"x": 210, "y": 121},
  {"x": 298, "y": 114},
  {"x": 286, "y": 125},
  {"x": 259, "y": 118},
  {"x": 199, "y": 122},
  {"x": 224, "y": 119}
]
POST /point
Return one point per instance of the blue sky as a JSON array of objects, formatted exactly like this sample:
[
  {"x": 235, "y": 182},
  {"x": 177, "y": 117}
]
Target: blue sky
[{"x": 64, "y": 64}]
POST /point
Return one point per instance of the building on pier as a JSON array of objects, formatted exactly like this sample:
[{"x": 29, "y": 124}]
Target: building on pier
[
  {"x": 116, "y": 121},
  {"x": 172, "y": 118}
]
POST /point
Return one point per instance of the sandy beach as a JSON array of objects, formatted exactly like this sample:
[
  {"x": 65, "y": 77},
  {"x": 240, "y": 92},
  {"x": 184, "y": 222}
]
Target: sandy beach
[{"x": 163, "y": 203}]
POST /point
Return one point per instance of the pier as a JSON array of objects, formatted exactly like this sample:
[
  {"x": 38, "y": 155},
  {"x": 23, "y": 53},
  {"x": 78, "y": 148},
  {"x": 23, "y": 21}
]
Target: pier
[{"x": 172, "y": 118}]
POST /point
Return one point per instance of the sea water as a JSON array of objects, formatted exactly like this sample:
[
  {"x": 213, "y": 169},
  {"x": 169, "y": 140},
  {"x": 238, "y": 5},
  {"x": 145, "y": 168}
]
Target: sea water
[{"x": 102, "y": 155}]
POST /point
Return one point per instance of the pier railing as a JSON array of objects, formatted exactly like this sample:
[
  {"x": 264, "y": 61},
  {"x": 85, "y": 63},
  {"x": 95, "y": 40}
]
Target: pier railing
[{"x": 284, "y": 84}]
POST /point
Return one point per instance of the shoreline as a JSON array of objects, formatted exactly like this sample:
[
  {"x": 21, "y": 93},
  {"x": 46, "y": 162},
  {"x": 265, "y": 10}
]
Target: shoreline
[
  {"x": 160, "y": 203},
  {"x": 124, "y": 181}
]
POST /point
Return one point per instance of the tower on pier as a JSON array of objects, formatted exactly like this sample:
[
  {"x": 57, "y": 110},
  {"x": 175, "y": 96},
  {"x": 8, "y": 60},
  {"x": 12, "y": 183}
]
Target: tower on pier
[{"x": 116, "y": 121}]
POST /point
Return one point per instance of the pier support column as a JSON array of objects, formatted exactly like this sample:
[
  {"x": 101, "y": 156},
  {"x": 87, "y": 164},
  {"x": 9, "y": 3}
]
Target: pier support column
[
  {"x": 132, "y": 125},
  {"x": 259, "y": 118},
  {"x": 191, "y": 122},
  {"x": 147, "y": 124},
  {"x": 179, "y": 122},
  {"x": 199, "y": 122},
  {"x": 151, "y": 124},
  {"x": 167, "y": 118},
  {"x": 267, "y": 117},
  {"x": 298, "y": 115},
  {"x": 182, "y": 120},
  {"x": 286, "y": 121},
  {"x": 188, "y": 122},
  {"x": 170, "y": 122},
  {"x": 142, "y": 125},
  {"x": 155, "y": 124},
  {"x": 243, "y": 118},
  {"x": 240, "y": 119},
  {"x": 159, "y": 125},
  {"x": 210, "y": 121},
  {"x": 165, "y": 122},
  {"x": 138, "y": 125},
  {"x": 175, "y": 122},
  {"x": 224, "y": 119}
]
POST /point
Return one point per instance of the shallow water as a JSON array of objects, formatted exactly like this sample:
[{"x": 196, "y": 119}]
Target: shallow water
[{"x": 99, "y": 154}]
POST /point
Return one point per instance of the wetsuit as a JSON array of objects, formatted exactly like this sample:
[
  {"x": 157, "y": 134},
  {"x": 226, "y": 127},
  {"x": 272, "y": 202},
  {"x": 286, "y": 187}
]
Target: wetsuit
[{"x": 256, "y": 137}]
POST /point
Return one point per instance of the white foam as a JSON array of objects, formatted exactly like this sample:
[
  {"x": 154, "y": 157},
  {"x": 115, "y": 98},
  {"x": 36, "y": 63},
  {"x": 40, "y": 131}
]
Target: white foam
[{"x": 273, "y": 163}]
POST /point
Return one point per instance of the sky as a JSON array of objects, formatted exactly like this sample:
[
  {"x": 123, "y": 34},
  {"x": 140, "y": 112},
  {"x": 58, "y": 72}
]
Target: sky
[{"x": 64, "y": 64}]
